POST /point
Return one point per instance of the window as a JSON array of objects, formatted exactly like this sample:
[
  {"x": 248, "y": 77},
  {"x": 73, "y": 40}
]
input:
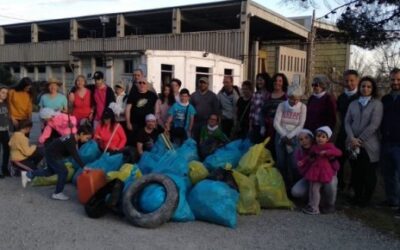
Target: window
[
  {"x": 68, "y": 68},
  {"x": 42, "y": 69},
  {"x": 17, "y": 69},
  {"x": 228, "y": 72},
  {"x": 284, "y": 62},
  {"x": 281, "y": 67},
  {"x": 30, "y": 69},
  {"x": 203, "y": 72},
  {"x": 99, "y": 61},
  {"x": 128, "y": 66},
  {"x": 167, "y": 73}
]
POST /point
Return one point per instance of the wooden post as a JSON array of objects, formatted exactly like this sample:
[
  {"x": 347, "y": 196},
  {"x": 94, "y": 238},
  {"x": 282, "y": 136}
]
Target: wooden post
[
  {"x": 310, "y": 56},
  {"x": 176, "y": 21},
  {"x": 245, "y": 27}
]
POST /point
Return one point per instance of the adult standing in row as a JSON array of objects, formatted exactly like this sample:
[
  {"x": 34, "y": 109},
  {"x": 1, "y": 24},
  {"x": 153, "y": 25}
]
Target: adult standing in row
[
  {"x": 243, "y": 110},
  {"x": 257, "y": 103},
  {"x": 362, "y": 123},
  {"x": 206, "y": 103},
  {"x": 53, "y": 99},
  {"x": 139, "y": 104},
  {"x": 289, "y": 121},
  {"x": 102, "y": 96},
  {"x": 321, "y": 106},
  {"x": 351, "y": 81},
  {"x": 176, "y": 86},
  {"x": 268, "y": 111},
  {"x": 391, "y": 142},
  {"x": 20, "y": 102},
  {"x": 228, "y": 98},
  {"x": 81, "y": 100},
  {"x": 165, "y": 101}
]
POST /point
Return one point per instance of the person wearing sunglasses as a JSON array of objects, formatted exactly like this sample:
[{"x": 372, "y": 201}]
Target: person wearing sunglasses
[
  {"x": 139, "y": 104},
  {"x": 321, "y": 106},
  {"x": 362, "y": 124}
]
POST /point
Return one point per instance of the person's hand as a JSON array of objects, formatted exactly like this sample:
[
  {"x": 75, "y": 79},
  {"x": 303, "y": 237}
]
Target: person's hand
[
  {"x": 355, "y": 143},
  {"x": 322, "y": 153},
  {"x": 300, "y": 163},
  {"x": 90, "y": 117},
  {"x": 129, "y": 126},
  {"x": 14, "y": 122}
]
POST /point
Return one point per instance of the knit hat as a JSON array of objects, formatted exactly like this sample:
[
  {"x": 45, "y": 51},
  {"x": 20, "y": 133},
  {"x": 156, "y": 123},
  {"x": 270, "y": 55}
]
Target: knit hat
[
  {"x": 150, "y": 117},
  {"x": 326, "y": 130},
  {"x": 47, "y": 113},
  {"x": 306, "y": 131},
  {"x": 295, "y": 90}
]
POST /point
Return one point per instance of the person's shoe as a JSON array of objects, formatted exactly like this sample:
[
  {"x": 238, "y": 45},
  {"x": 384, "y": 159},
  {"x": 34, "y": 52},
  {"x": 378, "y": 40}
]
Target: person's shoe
[
  {"x": 60, "y": 197},
  {"x": 387, "y": 204},
  {"x": 309, "y": 210},
  {"x": 24, "y": 178},
  {"x": 397, "y": 214}
]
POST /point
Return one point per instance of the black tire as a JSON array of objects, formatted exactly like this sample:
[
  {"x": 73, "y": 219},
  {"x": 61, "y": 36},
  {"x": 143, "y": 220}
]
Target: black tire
[{"x": 161, "y": 215}]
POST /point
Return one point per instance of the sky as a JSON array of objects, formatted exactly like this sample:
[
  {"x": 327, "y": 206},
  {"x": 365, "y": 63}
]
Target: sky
[{"x": 16, "y": 11}]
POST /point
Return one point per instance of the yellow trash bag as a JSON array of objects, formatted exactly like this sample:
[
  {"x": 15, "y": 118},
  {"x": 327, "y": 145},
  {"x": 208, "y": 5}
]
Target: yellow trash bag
[
  {"x": 247, "y": 199},
  {"x": 256, "y": 156},
  {"x": 271, "y": 191},
  {"x": 124, "y": 172},
  {"x": 197, "y": 171},
  {"x": 52, "y": 180}
]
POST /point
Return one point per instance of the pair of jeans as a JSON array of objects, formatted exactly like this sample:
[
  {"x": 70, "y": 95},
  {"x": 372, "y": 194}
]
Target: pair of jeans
[
  {"x": 4, "y": 139},
  {"x": 33, "y": 160},
  {"x": 329, "y": 190},
  {"x": 285, "y": 161},
  {"x": 390, "y": 162},
  {"x": 54, "y": 166},
  {"x": 363, "y": 177}
]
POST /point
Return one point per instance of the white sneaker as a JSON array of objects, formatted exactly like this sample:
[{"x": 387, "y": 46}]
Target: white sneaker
[
  {"x": 60, "y": 197},
  {"x": 24, "y": 178}
]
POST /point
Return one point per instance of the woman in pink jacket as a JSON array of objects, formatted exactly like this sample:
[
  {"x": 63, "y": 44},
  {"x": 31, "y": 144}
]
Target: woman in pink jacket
[{"x": 57, "y": 125}]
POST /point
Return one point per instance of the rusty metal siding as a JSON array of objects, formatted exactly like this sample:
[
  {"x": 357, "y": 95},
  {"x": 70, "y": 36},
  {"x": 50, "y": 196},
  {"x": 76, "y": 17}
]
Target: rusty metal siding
[{"x": 227, "y": 43}]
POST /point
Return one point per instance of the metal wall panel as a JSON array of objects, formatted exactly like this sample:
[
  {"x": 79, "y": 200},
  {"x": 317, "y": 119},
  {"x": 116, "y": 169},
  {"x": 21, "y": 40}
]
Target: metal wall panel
[{"x": 227, "y": 43}]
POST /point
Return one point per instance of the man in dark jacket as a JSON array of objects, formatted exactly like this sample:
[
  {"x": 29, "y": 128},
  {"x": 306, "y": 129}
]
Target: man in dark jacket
[
  {"x": 390, "y": 157},
  {"x": 351, "y": 81}
]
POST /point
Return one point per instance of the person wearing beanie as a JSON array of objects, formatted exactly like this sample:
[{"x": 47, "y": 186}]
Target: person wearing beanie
[
  {"x": 148, "y": 135},
  {"x": 321, "y": 106},
  {"x": 109, "y": 134},
  {"x": 57, "y": 124},
  {"x": 322, "y": 168},
  {"x": 289, "y": 120}
]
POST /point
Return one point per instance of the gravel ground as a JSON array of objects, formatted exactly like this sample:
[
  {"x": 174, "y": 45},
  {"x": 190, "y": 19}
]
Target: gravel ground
[{"x": 29, "y": 219}]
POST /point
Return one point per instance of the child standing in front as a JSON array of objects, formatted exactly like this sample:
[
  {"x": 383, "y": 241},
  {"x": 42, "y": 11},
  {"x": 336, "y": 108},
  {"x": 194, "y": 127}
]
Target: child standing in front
[
  {"x": 322, "y": 169},
  {"x": 4, "y": 136}
]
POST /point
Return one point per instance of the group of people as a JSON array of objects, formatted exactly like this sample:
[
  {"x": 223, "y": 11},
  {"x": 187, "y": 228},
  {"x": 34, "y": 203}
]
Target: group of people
[{"x": 302, "y": 133}]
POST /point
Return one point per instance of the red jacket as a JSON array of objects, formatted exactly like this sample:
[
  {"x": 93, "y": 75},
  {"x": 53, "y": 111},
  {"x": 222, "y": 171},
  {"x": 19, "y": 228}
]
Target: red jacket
[{"x": 103, "y": 134}]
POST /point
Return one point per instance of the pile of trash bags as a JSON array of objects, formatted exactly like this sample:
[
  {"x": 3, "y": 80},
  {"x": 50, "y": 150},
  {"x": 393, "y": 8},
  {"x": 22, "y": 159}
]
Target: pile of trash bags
[{"x": 238, "y": 178}]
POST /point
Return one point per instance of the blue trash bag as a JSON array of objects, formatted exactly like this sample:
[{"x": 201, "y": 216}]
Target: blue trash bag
[
  {"x": 153, "y": 197},
  {"x": 245, "y": 146},
  {"x": 134, "y": 175},
  {"x": 148, "y": 162},
  {"x": 188, "y": 150},
  {"x": 108, "y": 162},
  {"x": 88, "y": 152},
  {"x": 172, "y": 163},
  {"x": 215, "y": 202},
  {"x": 159, "y": 147},
  {"x": 221, "y": 157}
]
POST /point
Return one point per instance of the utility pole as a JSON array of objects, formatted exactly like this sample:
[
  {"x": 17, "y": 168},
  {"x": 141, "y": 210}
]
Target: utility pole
[
  {"x": 104, "y": 20},
  {"x": 310, "y": 56}
]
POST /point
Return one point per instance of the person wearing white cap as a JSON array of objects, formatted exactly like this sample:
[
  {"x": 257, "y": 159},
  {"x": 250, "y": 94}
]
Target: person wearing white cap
[
  {"x": 322, "y": 168},
  {"x": 56, "y": 125},
  {"x": 148, "y": 135},
  {"x": 289, "y": 120}
]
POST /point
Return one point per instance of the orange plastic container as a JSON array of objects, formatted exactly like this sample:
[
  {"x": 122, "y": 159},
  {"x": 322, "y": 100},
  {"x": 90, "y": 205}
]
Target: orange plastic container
[{"x": 88, "y": 183}]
